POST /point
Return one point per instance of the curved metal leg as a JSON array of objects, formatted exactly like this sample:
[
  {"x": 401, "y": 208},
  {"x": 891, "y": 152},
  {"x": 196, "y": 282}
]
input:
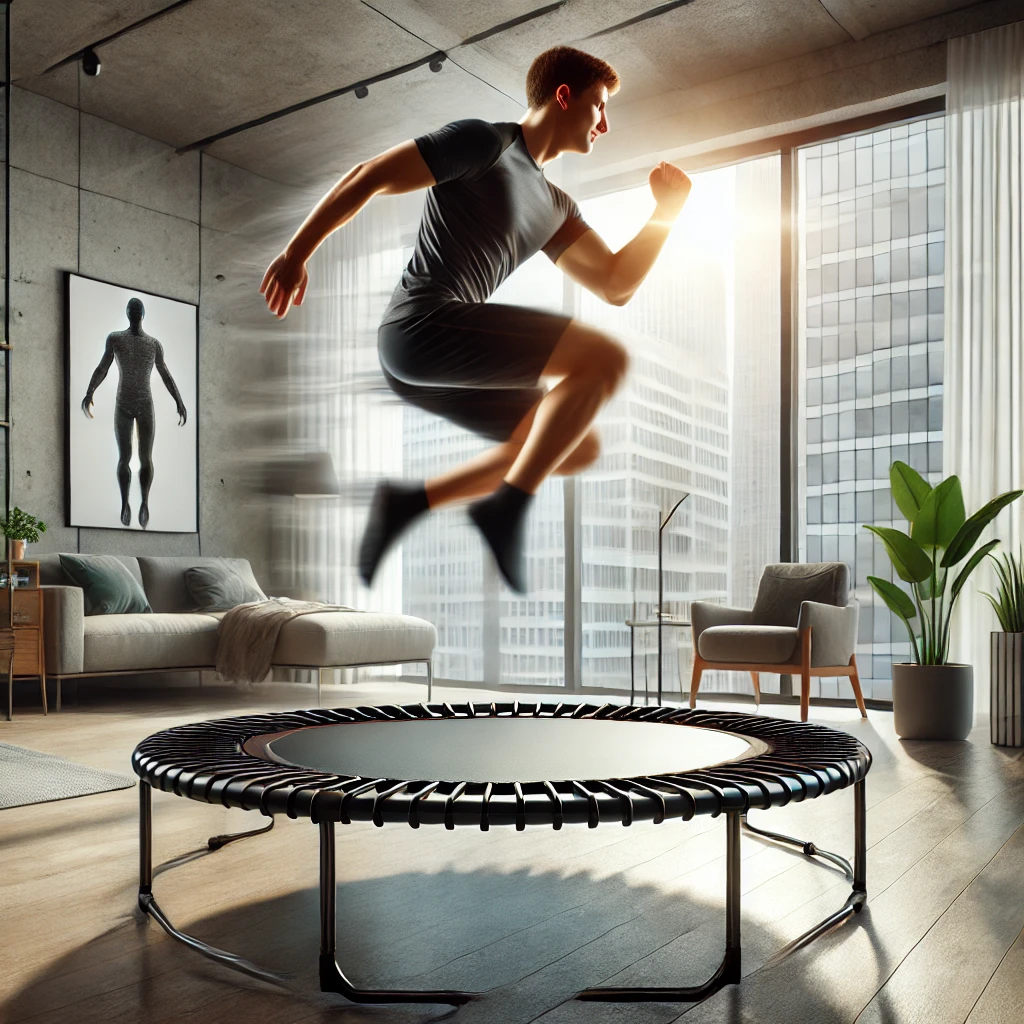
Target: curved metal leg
[
  {"x": 857, "y": 874},
  {"x": 728, "y": 972},
  {"x": 149, "y": 905},
  {"x": 331, "y": 977}
]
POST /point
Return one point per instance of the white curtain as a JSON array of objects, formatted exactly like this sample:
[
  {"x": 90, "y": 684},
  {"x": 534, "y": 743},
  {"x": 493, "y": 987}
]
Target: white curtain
[
  {"x": 338, "y": 403},
  {"x": 984, "y": 362}
]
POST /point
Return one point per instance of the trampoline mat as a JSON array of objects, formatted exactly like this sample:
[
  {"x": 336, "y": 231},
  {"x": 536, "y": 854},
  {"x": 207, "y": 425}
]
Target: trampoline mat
[{"x": 503, "y": 750}]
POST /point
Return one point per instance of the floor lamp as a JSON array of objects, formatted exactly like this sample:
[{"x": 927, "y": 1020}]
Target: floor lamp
[{"x": 661, "y": 583}]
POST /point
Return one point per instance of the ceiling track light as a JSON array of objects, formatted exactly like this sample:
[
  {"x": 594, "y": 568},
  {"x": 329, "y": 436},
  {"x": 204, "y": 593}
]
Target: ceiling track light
[
  {"x": 436, "y": 64},
  {"x": 90, "y": 62},
  {"x": 361, "y": 92}
]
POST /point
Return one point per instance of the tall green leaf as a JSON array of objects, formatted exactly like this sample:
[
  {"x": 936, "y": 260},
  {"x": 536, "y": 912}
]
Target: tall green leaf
[
  {"x": 941, "y": 515},
  {"x": 898, "y": 600},
  {"x": 968, "y": 534},
  {"x": 899, "y": 603},
  {"x": 909, "y": 559},
  {"x": 961, "y": 580},
  {"x": 909, "y": 489}
]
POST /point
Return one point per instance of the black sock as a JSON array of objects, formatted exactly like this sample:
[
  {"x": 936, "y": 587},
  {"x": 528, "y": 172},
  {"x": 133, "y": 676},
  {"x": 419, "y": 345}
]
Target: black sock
[
  {"x": 501, "y": 518},
  {"x": 394, "y": 507}
]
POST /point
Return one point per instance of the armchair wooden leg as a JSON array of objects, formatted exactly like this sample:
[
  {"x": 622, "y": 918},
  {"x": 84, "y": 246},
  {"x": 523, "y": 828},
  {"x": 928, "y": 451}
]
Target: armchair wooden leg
[
  {"x": 855, "y": 683},
  {"x": 698, "y": 671},
  {"x": 756, "y": 678},
  {"x": 805, "y": 674}
]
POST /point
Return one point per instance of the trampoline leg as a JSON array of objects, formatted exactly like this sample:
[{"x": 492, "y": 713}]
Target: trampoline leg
[
  {"x": 331, "y": 977},
  {"x": 857, "y": 874},
  {"x": 148, "y": 904},
  {"x": 728, "y": 972}
]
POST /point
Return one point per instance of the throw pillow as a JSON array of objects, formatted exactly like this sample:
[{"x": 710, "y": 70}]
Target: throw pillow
[
  {"x": 107, "y": 585},
  {"x": 220, "y": 587}
]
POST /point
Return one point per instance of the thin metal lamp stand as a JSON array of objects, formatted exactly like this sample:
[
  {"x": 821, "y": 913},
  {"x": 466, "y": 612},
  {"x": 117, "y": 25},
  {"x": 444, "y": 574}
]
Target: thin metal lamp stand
[{"x": 661, "y": 583}]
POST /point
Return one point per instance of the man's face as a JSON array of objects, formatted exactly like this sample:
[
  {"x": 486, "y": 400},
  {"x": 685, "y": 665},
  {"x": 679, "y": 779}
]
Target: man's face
[{"x": 590, "y": 118}]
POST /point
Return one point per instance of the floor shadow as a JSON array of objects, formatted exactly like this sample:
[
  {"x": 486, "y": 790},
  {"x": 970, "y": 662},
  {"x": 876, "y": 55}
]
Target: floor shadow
[{"x": 526, "y": 941}]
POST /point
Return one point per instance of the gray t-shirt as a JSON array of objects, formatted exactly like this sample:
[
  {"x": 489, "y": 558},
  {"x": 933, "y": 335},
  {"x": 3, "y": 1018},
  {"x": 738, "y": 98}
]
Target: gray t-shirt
[{"x": 490, "y": 210}]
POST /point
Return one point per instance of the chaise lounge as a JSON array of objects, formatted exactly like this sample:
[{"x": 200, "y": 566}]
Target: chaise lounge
[{"x": 175, "y": 636}]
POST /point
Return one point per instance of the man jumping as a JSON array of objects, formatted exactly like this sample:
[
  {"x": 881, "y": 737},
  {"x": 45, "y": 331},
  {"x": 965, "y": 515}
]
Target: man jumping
[{"x": 482, "y": 365}]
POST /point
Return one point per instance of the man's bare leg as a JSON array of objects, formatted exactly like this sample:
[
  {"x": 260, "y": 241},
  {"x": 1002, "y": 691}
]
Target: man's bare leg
[
  {"x": 591, "y": 366},
  {"x": 480, "y": 476},
  {"x": 483, "y": 473}
]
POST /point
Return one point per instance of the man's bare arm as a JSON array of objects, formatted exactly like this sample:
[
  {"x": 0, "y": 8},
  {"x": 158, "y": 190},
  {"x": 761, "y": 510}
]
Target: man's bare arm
[
  {"x": 399, "y": 170},
  {"x": 98, "y": 376},
  {"x": 615, "y": 276}
]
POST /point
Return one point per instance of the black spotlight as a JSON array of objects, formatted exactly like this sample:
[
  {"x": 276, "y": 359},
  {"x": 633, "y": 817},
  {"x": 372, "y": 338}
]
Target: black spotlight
[
  {"x": 436, "y": 64},
  {"x": 91, "y": 62},
  {"x": 361, "y": 92}
]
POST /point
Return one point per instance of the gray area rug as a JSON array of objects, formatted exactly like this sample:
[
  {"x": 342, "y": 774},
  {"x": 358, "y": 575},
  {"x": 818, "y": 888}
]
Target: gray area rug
[{"x": 29, "y": 777}]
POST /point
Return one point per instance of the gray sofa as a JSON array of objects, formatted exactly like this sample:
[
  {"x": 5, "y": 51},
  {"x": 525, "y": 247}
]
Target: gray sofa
[{"x": 175, "y": 637}]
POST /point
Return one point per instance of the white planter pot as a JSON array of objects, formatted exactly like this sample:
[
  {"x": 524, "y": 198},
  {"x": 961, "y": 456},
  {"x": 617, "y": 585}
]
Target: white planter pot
[
  {"x": 1007, "y": 689},
  {"x": 933, "y": 702}
]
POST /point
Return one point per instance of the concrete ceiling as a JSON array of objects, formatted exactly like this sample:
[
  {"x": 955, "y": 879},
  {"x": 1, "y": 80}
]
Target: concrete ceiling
[{"x": 206, "y": 66}]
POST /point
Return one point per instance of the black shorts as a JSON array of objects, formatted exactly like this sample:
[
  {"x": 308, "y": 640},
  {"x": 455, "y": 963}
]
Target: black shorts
[{"x": 477, "y": 364}]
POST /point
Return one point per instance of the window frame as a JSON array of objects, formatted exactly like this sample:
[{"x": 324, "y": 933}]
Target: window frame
[{"x": 786, "y": 146}]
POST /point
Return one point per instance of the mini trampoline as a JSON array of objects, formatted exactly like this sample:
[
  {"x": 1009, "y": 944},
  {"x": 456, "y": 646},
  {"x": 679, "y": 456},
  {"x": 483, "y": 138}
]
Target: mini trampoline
[{"x": 504, "y": 764}]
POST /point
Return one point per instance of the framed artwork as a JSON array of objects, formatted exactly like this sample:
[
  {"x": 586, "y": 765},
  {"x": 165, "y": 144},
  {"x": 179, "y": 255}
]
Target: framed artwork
[{"x": 132, "y": 454}]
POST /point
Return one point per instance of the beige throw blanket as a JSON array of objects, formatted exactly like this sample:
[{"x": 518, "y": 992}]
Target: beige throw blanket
[{"x": 248, "y": 635}]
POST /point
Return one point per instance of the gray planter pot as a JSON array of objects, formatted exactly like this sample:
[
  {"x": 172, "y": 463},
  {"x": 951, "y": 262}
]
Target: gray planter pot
[
  {"x": 933, "y": 702},
  {"x": 1007, "y": 689}
]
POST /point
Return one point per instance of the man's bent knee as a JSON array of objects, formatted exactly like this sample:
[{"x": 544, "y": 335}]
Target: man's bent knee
[{"x": 586, "y": 349}]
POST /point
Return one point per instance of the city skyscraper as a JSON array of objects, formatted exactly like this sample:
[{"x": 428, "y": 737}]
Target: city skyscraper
[{"x": 871, "y": 295}]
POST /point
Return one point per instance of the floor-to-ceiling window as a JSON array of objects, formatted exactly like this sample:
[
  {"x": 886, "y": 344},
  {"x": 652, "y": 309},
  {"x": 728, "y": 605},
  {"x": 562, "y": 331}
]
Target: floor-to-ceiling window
[
  {"x": 698, "y": 415},
  {"x": 870, "y": 312}
]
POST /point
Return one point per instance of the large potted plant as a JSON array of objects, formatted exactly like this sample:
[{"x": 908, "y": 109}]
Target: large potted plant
[
  {"x": 20, "y": 527},
  {"x": 932, "y": 699},
  {"x": 1007, "y": 652}
]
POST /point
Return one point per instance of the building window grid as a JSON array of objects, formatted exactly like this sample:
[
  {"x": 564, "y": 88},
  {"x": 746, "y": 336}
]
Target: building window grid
[{"x": 871, "y": 220}]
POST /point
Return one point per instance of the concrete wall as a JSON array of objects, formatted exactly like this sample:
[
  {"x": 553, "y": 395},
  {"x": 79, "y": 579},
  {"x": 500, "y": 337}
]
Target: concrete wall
[{"x": 91, "y": 197}]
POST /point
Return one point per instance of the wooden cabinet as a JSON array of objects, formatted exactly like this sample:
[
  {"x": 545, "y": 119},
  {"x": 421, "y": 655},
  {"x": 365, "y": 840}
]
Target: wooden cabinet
[{"x": 26, "y": 624}]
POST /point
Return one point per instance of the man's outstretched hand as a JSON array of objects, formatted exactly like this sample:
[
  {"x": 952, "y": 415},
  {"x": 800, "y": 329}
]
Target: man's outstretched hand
[
  {"x": 87, "y": 406},
  {"x": 284, "y": 283},
  {"x": 670, "y": 187},
  {"x": 182, "y": 415}
]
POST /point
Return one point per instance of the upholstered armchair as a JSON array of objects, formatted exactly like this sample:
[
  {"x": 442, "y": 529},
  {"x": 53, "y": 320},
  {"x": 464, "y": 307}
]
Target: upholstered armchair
[{"x": 801, "y": 624}]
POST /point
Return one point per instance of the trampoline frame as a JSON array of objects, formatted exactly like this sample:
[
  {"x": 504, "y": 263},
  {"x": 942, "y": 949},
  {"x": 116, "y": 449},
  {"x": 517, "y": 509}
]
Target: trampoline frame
[{"x": 802, "y": 762}]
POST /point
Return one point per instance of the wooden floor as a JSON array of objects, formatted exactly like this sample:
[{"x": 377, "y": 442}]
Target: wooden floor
[{"x": 527, "y": 919}]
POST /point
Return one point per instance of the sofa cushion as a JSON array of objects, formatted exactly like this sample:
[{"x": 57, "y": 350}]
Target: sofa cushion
[
  {"x": 107, "y": 586},
  {"x": 749, "y": 645},
  {"x": 164, "y": 579},
  {"x": 125, "y": 642},
  {"x": 217, "y": 588},
  {"x": 354, "y": 638},
  {"x": 51, "y": 572}
]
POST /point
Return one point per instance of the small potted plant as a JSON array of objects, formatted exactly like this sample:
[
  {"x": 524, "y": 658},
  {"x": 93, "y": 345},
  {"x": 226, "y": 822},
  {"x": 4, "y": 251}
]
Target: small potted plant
[
  {"x": 1007, "y": 652},
  {"x": 20, "y": 527},
  {"x": 931, "y": 698}
]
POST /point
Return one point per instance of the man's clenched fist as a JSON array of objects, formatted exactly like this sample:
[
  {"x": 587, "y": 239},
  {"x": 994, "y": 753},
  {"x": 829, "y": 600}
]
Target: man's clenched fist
[{"x": 670, "y": 187}]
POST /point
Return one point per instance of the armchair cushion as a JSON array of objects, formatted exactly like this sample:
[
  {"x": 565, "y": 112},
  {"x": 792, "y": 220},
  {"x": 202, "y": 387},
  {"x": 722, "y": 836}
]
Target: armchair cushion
[
  {"x": 749, "y": 645},
  {"x": 786, "y": 585},
  {"x": 704, "y": 615}
]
